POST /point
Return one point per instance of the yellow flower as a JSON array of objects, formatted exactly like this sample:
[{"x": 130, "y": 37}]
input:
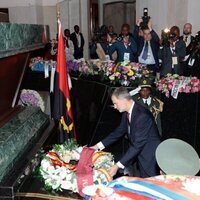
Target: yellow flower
[
  {"x": 130, "y": 73},
  {"x": 129, "y": 66},
  {"x": 112, "y": 78},
  {"x": 117, "y": 73}
]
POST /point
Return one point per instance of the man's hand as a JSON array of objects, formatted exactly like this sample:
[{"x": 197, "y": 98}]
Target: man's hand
[
  {"x": 138, "y": 22},
  {"x": 113, "y": 170},
  {"x": 95, "y": 147},
  {"x": 150, "y": 25}
]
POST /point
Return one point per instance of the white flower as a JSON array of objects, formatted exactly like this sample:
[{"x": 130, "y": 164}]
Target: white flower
[{"x": 61, "y": 177}]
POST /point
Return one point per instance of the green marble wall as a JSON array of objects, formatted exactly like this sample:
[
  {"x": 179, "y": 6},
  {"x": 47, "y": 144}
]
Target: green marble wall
[
  {"x": 17, "y": 38},
  {"x": 18, "y": 134}
]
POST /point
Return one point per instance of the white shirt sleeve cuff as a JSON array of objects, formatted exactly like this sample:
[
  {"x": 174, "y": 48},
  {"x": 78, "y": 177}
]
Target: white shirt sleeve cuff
[
  {"x": 120, "y": 165},
  {"x": 100, "y": 146}
]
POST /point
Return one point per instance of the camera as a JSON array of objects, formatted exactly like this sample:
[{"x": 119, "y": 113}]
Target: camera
[
  {"x": 167, "y": 36},
  {"x": 196, "y": 40},
  {"x": 145, "y": 17}
]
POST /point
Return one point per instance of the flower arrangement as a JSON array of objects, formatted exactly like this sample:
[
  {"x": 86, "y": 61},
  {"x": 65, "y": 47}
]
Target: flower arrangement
[
  {"x": 58, "y": 167},
  {"x": 38, "y": 64},
  {"x": 185, "y": 84},
  {"x": 122, "y": 73},
  {"x": 73, "y": 65},
  {"x": 125, "y": 73},
  {"x": 31, "y": 98}
]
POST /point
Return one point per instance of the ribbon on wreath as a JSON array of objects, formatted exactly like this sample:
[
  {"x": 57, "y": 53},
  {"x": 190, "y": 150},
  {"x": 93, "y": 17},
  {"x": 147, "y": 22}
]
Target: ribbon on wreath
[{"x": 84, "y": 170}]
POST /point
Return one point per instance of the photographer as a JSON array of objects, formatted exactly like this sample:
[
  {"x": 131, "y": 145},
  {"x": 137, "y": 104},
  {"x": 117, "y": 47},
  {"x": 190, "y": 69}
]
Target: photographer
[
  {"x": 148, "y": 45},
  {"x": 193, "y": 61},
  {"x": 172, "y": 52},
  {"x": 99, "y": 45},
  {"x": 125, "y": 46}
]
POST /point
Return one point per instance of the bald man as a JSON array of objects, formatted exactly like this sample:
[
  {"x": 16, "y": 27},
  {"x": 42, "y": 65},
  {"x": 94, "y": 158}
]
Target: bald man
[{"x": 187, "y": 34}]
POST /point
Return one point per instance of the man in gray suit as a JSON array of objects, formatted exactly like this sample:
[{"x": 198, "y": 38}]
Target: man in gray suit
[{"x": 172, "y": 53}]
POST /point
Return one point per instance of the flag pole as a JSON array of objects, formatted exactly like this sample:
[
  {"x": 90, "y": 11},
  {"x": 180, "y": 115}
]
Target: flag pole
[{"x": 58, "y": 18}]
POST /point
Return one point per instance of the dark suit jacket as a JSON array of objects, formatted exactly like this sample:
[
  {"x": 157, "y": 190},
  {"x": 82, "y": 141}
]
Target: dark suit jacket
[
  {"x": 144, "y": 138},
  {"x": 189, "y": 47},
  {"x": 78, "y": 52},
  {"x": 165, "y": 54},
  {"x": 154, "y": 43},
  {"x": 121, "y": 49}
]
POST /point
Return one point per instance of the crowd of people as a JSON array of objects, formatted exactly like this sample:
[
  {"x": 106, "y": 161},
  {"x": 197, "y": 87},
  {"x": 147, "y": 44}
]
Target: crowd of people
[{"x": 172, "y": 53}]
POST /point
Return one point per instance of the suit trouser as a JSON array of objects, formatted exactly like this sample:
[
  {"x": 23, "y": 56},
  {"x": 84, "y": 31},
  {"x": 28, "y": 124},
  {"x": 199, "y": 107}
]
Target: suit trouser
[{"x": 151, "y": 172}]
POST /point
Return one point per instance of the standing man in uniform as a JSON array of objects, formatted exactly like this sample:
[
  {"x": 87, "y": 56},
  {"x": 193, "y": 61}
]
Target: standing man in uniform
[{"x": 146, "y": 99}]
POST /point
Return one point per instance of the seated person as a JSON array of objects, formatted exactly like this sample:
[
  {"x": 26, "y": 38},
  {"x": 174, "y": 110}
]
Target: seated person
[
  {"x": 146, "y": 99},
  {"x": 177, "y": 157},
  {"x": 125, "y": 46}
]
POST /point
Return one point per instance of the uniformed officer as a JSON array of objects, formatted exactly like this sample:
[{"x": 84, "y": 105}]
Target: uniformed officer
[{"x": 145, "y": 98}]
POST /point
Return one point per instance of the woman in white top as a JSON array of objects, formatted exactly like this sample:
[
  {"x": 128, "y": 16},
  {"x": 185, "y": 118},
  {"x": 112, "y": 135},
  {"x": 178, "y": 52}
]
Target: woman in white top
[{"x": 69, "y": 47}]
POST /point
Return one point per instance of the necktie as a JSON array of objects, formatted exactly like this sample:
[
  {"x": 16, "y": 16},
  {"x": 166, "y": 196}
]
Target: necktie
[
  {"x": 186, "y": 37},
  {"x": 146, "y": 103},
  {"x": 145, "y": 52},
  {"x": 128, "y": 117}
]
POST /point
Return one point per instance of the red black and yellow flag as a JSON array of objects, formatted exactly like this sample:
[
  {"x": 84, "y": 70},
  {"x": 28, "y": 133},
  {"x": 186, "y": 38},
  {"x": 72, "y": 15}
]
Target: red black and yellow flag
[{"x": 62, "y": 110}]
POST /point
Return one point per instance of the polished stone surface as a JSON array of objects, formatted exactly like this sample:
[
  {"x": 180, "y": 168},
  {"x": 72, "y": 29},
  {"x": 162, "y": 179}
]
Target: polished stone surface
[
  {"x": 18, "y": 134},
  {"x": 18, "y": 38}
]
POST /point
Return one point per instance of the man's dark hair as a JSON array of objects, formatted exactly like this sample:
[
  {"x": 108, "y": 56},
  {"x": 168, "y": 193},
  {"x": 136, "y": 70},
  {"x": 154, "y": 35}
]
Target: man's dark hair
[
  {"x": 125, "y": 25},
  {"x": 76, "y": 26},
  {"x": 144, "y": 27},
  {"x": 65, "y": 31}
]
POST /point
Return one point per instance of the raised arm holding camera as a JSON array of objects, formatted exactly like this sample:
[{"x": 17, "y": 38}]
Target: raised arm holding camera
[{"x": 147, "y": 42}]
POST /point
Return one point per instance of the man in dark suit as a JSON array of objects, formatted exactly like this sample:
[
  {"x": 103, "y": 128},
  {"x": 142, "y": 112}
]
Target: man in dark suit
[
  {"x": 172, "y": 53},
  {"x": 125, "y": 46},
  {"x": 188, "y": 39},
  {"x": 148, "y": 45},
  {"x": 78, "y": 41},
  {"x": 139, "y": 124}
]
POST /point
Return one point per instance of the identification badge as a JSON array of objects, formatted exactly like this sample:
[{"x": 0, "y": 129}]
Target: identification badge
[
  {"x": 174, "y": 60},
  {"x": 126, "y": 56},
  {"x": 191, "y": 62}
]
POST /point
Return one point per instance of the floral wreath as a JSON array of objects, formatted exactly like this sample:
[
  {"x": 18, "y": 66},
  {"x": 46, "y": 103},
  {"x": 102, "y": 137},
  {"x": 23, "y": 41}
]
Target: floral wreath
[
  {"x": 58, "y": 167},
  {"x": 31, "y": 98}
]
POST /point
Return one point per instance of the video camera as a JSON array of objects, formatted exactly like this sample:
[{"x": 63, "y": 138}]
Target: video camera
[
  {"x": 145, "y": 17},
  {"x": 196, "y": 40}
]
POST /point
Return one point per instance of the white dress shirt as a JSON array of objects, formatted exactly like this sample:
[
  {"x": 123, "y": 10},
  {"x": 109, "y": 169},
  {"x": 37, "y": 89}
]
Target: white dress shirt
[
  {"x": 188, "y": 40},
  {"x": 78, "y": 39},
  {"x": 148, "y": 100},
  {"x": 150, "y": 58}
]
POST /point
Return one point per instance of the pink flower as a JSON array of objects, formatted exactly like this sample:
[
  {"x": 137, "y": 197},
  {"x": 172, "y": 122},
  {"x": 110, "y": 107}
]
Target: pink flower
[
  {"x": 170, "y": 86},
  {"x": 180, "y": 90},
  {"x": 195, "y": 89},
  {"x": 187, "y": 89}
]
